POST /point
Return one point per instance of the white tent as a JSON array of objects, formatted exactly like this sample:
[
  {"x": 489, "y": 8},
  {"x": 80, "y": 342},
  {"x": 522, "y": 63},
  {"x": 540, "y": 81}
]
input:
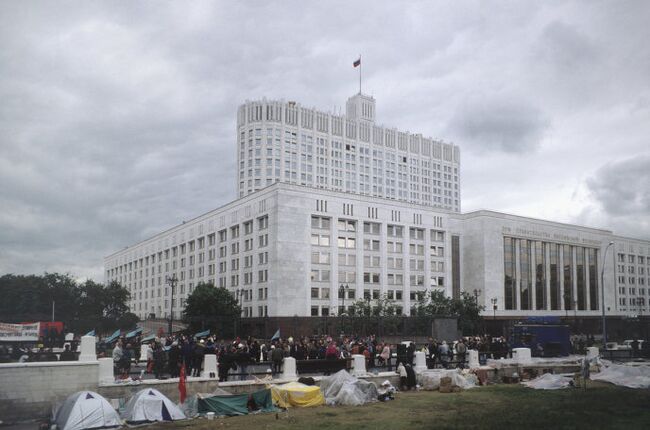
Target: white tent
[
  {"x": 151, "y": 405},
  {"x": 86, "y": 410}
]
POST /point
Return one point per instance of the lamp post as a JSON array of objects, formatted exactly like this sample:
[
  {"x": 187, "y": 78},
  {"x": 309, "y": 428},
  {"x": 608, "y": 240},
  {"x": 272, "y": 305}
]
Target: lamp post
[
  {"x": 342, "y": 290},
  {"x": 172, "y": 283},
  {"x": 602, "y": 294}
]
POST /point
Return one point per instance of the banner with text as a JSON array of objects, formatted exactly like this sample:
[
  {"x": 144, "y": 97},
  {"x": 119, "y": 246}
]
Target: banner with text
[{"x": 19, "y": 332}]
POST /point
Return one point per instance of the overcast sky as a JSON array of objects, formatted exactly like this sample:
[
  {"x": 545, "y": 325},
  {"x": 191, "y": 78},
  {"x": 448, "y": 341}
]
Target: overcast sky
[{"x": 117, "y": 119}]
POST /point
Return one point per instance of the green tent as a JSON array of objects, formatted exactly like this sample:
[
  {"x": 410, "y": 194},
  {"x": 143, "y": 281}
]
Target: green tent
[{"x": 237, "y": 404}]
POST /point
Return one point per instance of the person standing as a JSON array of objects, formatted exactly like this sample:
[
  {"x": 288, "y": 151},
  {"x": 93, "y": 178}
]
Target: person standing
[
  {"x": 159, "y": 360},
  {"x": 277, "y": 356},
  {"x": 117, "y": 355},
  {"x": 461, "y": 350}
]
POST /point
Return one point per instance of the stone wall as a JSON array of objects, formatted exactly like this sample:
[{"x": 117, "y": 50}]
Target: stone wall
[{"x": 29, "y": 390}]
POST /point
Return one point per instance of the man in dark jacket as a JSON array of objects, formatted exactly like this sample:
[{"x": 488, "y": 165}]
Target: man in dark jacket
[
  {"x": 174, "y": 360},
  {"x": 277, "y": 355}
]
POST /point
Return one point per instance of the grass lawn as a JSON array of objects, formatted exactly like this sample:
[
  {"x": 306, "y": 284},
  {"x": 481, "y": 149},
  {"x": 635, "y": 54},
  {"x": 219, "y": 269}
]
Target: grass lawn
[{"x": 503, "y": 407}]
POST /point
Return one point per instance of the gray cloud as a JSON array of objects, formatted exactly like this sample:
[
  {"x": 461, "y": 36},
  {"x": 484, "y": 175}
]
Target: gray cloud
[
  {"x": 116, "y": 123},
  {"x": 622, "y": 188},
  {"x": 499, "y": 124}
]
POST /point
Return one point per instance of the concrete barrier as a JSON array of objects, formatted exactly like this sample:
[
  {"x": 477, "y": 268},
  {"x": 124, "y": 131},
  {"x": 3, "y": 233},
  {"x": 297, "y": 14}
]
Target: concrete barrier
[
  {"x": 87, "y": 349},
  {"x": 359, "y": 362},
  {"x": 289, "y": 368},
  {"x": 473, "y": 359},
  {"x": 420, "y": 361},
  {"x": 210, "y": 366}
]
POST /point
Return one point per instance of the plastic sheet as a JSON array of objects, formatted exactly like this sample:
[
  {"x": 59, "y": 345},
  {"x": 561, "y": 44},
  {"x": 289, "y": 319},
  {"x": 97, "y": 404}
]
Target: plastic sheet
[
  {"x": 344, "y": 389},
  {"x": 537, "y": 361},
  {"x": 429, "y": 380},
  {"x": 624, "y": 375},
  {"x": 549, "y": 381}
]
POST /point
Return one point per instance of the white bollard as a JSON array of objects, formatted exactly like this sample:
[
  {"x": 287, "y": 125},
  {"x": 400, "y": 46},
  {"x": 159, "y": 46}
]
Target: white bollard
[
  {"x": 592, "y": 352},
  {"x": 420, "y": 361},
  {"x": 359, "y": 365},
  {"x": 521, "y": 355},
  {"x": 87, "y": 349},
  {"x": 289, "y": 368},
  {"x": 209, "y": 366},
  {"x": 473, "y": 359},
  {"x": 106, "y": 371}
]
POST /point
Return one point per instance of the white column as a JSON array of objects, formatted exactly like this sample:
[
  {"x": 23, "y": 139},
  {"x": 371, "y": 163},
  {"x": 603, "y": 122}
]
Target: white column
[
  {"x": 87, "y": 349},
  {"x": 106, "y": 371},
  {"x": 359, "y": 365},
  {"x": 420, "y": 361},
  {"x": 209, "y": 366},
  {"x": 473, "y": 359},
  {"x": 143, "y": 352},
  {"x": 289, "y": 368},
  {"x": 521, "y": 355}
]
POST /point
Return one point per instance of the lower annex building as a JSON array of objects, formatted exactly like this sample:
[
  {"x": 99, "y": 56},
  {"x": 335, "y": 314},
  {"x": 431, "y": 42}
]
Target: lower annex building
[{"x": 287, "y": 249}]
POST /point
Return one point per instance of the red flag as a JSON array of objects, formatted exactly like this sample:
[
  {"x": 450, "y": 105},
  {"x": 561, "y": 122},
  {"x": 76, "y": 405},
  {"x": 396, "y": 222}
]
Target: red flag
[
  {"x": 181, "y": 384},
  {"x": 357, "y": 63}
]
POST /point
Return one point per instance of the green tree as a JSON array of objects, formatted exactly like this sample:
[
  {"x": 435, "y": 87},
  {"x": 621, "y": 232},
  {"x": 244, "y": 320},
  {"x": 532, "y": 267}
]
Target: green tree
[
  {"x": 80, "y": 306},
  {"x": 209, "y": 307},
  {"x": 465, "y": 308}
]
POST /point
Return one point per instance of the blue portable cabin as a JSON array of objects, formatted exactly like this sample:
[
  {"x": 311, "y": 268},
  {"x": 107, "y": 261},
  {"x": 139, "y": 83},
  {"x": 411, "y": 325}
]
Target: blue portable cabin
[{"x": 546, "y": 332}]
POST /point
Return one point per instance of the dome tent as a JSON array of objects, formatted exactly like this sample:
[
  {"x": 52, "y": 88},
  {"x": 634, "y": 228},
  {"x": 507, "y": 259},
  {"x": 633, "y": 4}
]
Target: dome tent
[
  {"x": 150, "y": 405},
  {"x": 86, "y": 410}
]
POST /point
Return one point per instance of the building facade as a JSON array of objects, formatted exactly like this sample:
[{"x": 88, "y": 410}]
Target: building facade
[
  {"x": 334, "y": 208},
  {"x": 280, "y": 141},
  {"x": 287, "y": 249}
]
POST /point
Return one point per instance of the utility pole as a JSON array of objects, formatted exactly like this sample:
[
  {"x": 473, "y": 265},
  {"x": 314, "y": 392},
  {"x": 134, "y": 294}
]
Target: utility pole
[{"x": 172, "y": 283}]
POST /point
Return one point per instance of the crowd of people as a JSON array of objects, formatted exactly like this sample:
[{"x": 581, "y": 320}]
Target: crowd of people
[{"x": 166, "y": 355}]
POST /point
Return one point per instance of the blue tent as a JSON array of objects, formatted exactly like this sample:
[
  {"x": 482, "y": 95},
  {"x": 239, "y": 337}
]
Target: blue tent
[
  {"x": 112, "y": 337},
  {"x": 90, "y": 333},
  {"x": 276, "y": 335}
]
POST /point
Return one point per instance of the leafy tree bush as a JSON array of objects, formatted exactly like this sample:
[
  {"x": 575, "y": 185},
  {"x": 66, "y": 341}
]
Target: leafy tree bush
[{"x": 214, "y": 308}]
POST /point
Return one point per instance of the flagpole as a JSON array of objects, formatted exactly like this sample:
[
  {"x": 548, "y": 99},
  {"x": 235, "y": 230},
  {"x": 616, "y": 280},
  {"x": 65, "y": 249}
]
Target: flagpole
[{"x": 360, "y": 73}]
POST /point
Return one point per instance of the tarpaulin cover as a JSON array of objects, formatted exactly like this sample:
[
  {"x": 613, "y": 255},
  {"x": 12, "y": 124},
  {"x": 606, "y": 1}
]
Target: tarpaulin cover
[
  {"x": 429, "y": 380},
  {"x": 549, "y": 381},
  {"x": 342, "y": 388},
  {"x": 86, "y": 410},
  {"x": 112, "y": 337},
  {"x": 133, "y": 333},
  {"x": 150, "y": 405},
  {"x": 624, "y": 375},
  {"x": 297, "y": 394},
  {"x": 237, "y": 404}
]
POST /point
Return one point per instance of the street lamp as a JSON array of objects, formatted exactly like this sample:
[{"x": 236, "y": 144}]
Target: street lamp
[
  {"x": 602, "y": 294},
  {"x": 172, "y": 283},
  {"x": 494, "y": 307},
  {"x": 342, "y": 290}
]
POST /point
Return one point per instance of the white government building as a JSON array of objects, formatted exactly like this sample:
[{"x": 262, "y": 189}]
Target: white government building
[{"x": 329, "y": 200}]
